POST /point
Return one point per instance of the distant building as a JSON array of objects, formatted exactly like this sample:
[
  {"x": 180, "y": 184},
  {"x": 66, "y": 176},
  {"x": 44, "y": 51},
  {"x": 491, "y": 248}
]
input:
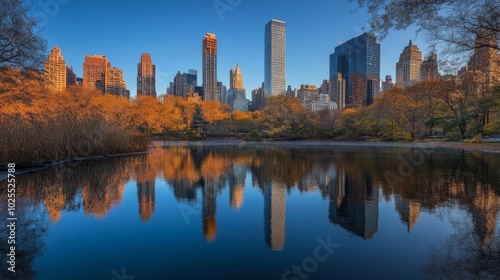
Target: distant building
[
  {"x": 387, "y": 84},
  {"x": 114, "y": 83},
  {"x": 258, "y": 98},
  {"x": 275, "y": 58},
  {"x": 146, "y": 76},
  {"x": 358, "y": 60},
  {"x": 338, "y": 91},
  {"x": 183, "y": 84},
  {"x": 290, "y": 92},
  {"x": 94, "y": 71},
  {"x": 485, "y": 61},
  {"x": 210, "y": 90},
  {"x": 429, "y": 68},
  {"x": 70, "y": 76},
  {"x": 307, "y": 93},
  {"x": 325, "y": 87},
  {"x": 55, "y": 70},
  {"x": 313, "y": 101},
  {"x": 221, "y": 92},
  {"x": 321, "y": 103},
  {"x": 236, "y": 96},
  {"x": 408, "y": 66}
]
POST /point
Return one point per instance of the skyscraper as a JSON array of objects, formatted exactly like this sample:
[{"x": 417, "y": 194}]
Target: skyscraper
[
  {"x": 114, "y": 83},
  {"x": 210, "y": 90},
  {"x": 429, "y": 68},
  {"x": 408, "y": 66},
  {"x": 358, "y": 60},
  {"x": 275, "y": 58},
  {"x": 236, "y": 78},
  {"x": 55, "y": 70},
  {"x": 146, "y": 76},
  {"x": 94, "y": 71},
  {"x": 485, "y": 61},
  {"x": 236, "y": 97},
  {"x": 338, "y": 92}
]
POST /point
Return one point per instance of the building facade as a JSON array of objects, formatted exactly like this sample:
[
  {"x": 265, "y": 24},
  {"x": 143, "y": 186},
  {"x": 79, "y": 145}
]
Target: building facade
[
  {"x": 236, "y": 96},
  {"x": 94, "y": 71},
  {"x": 358, "y": 60},
  {"x": 114, "y": 83},
  {"x": 210, "y": 89},
  {"x": 258, "y": 98},
  {"x": 408, "y": 66},
  {"x": 275, "y": 58},
  {"x": 429, "y": 68},
  {"x": 387, "y": 84},
  {"x": 55, "y": 70},
  {"x": 338, "y": 91},
  {"x": 146, "y": 76}
]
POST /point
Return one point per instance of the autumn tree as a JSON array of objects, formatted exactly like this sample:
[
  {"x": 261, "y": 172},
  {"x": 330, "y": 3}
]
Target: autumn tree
[
  {"x": 148, "y": 115},
  {"x": 458, "y": 23},
  {"x": 20, "y": 45},
  {"x": 283, "y": 116}
]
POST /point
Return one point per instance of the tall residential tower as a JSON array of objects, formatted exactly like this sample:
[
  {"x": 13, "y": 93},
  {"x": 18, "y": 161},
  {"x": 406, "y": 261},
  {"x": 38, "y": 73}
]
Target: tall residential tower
[
  {"x": 94, "y": 71},
  {"x": 408, "y": 66},
  {"x": 275, "y": 58},
  {"x": 210, "y": 90},
  {"x": 146, "y": 76},
  {"x": 55, "y": 70}
]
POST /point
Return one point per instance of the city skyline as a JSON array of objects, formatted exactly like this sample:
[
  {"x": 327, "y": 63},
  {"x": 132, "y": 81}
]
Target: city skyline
[{"x": 173, "y": 41}]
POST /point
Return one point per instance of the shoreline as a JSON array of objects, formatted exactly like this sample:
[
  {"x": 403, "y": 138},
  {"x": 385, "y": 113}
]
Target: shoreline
[
  {"x": 38, "y": 165},
  {"x": 482, "y": 147}
]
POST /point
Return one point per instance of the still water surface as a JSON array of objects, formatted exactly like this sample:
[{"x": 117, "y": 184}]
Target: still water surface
[{"x": 236, "y": 210}]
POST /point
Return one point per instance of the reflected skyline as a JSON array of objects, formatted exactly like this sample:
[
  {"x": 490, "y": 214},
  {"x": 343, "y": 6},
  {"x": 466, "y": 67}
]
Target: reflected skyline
[{"x": 350, "y": 182}]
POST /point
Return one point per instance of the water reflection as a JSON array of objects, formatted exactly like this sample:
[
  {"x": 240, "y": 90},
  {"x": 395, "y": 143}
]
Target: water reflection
[{"x": 351, "y": 181}]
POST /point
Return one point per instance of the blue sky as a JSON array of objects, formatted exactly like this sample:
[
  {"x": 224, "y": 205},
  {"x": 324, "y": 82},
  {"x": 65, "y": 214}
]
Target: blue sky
[{"x": 172, "y": 32}]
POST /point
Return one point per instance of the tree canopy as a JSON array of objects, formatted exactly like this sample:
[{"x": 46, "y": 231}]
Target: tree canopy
[
  {"x": 20, "y": 45},
  {"x": 458, "y": 23}
]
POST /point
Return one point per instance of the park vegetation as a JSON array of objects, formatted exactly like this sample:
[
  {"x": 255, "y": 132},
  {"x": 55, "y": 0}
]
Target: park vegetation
[{"x": 38, "y": 123}]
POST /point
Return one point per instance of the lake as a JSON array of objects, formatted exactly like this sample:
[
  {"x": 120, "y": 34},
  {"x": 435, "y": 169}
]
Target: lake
[{"x": 261, "y": 210}]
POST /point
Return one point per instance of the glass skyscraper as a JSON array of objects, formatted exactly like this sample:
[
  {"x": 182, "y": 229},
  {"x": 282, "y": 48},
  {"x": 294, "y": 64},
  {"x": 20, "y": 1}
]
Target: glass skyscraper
[
  {"x": 275, "y": 58},
  {"x": 358, "y": 60}
]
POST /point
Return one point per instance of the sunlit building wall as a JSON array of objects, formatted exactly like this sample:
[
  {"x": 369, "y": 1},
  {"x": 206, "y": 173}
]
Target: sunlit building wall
[
  {"x": 408, "y": 66},
  {"x": 146, "y": 76},
  {"x": 55, "y": 70},
  {"x": 275, "y": 58},
  {"x": 210, "y": 89}
]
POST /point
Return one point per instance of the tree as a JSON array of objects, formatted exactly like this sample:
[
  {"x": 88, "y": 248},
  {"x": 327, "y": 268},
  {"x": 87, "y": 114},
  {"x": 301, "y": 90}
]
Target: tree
[
  {"x": 459, "y": 23},
  {"x": 199, "y": 124},
  {"x": 20, "y": 45},
  {"x": 283, "y": 116}
]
